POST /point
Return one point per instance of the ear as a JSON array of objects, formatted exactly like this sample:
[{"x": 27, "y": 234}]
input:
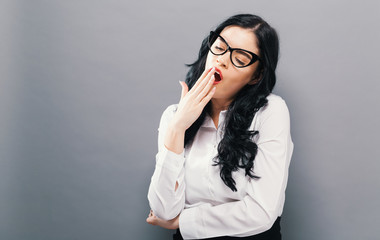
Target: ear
[
  {"x": 254, "y": 81},
  {"x": 256, "y": 78}
]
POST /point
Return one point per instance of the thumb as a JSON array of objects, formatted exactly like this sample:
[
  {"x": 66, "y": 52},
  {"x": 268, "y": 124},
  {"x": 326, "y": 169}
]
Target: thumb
[{"x": 185, "y": 89}]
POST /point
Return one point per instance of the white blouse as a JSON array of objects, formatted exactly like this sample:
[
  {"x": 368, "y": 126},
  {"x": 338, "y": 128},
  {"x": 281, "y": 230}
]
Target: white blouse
[{"x": 208, "y": 207}]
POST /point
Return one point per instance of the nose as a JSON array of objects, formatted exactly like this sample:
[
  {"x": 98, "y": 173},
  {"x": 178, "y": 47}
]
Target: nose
[{"x": 222, "y": 60}]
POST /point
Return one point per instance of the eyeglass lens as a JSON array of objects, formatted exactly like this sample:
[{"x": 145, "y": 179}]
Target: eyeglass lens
[{"x": 239, "y": 58}]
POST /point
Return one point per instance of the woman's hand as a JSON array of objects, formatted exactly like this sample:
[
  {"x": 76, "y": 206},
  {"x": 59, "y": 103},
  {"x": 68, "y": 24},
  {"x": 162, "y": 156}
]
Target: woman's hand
[
  {"x": 170, "y": 224},
  {"x": 192, "y": 102},
  {"x": 189, "y": 109}
]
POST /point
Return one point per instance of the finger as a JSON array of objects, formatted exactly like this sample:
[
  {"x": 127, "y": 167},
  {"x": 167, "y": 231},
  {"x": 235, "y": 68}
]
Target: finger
[
  {"x": 204, "y": 74},
  {"x": 204, "y": 82},
  {"x": 208, "y": 97},
  {"x": 152, "y": 220},
  {"x": 185, "y": 89},
  {"x": 206, "y": 89},
  {"x": 149, "y": 220}
]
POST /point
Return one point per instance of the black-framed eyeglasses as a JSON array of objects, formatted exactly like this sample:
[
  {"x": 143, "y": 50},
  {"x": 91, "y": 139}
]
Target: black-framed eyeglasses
[{"x": 239, "y": 57}]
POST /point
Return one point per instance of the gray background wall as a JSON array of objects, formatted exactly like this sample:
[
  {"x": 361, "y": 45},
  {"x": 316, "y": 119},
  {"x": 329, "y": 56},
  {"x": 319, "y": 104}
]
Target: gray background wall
[{"x": 83, "y": 84}]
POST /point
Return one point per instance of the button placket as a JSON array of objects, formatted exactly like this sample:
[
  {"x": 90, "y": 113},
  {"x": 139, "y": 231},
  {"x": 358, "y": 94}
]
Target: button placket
[{"x": 210, "y": 166}]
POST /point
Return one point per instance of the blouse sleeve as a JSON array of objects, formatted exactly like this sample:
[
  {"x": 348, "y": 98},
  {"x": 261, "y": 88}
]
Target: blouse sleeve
[
  {"x": 165, "y": 202},
  {"x": 259, "y": 209}
]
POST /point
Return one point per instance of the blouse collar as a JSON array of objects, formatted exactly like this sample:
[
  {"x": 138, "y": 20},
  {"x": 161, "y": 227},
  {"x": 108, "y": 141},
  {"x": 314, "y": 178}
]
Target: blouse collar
[{"x": 209, "y": 123}]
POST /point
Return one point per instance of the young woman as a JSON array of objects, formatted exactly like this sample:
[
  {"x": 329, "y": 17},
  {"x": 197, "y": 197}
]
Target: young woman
[{"x": 225, "y": 148}]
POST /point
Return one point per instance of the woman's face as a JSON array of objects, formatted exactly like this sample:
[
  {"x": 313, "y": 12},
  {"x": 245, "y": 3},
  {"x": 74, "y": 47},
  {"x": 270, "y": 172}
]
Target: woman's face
[{"x": 233, "y": 78}]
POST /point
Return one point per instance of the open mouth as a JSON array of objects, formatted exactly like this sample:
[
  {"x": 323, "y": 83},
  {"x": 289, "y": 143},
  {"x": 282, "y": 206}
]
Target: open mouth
[{"x": 218, "y": 76}]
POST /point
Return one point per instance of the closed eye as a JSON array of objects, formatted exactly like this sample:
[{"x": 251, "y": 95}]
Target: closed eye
[{"x": 239, "y": 61}]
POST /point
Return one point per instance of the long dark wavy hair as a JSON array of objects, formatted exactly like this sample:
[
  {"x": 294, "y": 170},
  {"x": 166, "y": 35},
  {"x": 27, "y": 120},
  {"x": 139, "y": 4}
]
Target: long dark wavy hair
[{"x": 237, "y": 149}]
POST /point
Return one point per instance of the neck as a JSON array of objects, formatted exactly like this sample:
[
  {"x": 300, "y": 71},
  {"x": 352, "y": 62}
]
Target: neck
[{"x": 216, "y": 106}]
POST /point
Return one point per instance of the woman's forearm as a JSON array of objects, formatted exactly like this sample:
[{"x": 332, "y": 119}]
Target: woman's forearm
[{"x": 174, "y": 138}]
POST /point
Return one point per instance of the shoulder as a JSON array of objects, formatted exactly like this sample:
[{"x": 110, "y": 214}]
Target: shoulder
[
  {"x": 276, "y": 105},
  {"x": 275, "y": 102},
  {"x": 275, "y": 112}
]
